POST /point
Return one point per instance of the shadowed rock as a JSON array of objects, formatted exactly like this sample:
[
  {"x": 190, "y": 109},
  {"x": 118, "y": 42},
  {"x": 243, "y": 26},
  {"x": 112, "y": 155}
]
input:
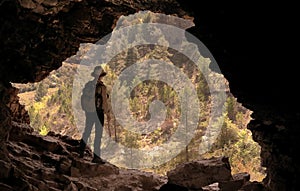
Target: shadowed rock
[{"x": 196, "y": 174}]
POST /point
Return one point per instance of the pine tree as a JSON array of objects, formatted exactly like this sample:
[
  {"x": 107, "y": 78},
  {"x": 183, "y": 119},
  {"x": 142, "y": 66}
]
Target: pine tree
[
  {"x": 40, "y": 92},
  {"x": 231, "y": 108}
]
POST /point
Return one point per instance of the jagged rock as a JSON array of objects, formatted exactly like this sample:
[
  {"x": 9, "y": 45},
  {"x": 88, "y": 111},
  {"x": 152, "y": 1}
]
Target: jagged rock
[
  {"x": 71, "y": 187},
  {"x": 253, "y": 186},
  {"x": 4, "y": 187},
  {"x": 244, "y": 176},
  {"x": 238, "y": 181},
  {"x": 20, "y": 131},
  {"x": 28, "y": 4},
  {"x": 212, "y": 187},
  {"x": 173, "y": 187},
  {"x": 36, "y": 37},
  {"x": 230, "y": 185},
  {"x": 49, "y": 163},
  {"x": 89, "y": 169},
  {"x": 5, "y": 169},
  {"x": 51, "y": 3},
  {"x": 5, "y": 123},
  {"x": 197, "y": 174},
  {"x": 64, "y": 165},
  {"x": 75, "y": 172}
]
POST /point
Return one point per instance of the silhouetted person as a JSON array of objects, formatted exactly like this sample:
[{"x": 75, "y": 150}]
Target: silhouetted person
[{"x": 94, "y": 103}]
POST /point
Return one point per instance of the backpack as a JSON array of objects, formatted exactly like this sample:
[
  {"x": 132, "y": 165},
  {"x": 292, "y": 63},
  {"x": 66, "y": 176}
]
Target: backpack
[
  {"x": 91, "y": 98},
  {"x": 88, "y": 97}
]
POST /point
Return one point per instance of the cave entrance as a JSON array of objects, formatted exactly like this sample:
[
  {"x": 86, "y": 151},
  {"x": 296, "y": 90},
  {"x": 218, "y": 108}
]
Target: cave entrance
[
  {"x": 49, "y": 104},
  {"x": 168, "y": 72}
]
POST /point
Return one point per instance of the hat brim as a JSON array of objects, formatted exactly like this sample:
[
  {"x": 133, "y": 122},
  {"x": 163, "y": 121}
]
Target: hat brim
[{"x": 100, "y": 75}]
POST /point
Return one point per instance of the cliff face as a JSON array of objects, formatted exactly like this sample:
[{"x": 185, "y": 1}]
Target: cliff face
[{"x": 36, "y": 36}]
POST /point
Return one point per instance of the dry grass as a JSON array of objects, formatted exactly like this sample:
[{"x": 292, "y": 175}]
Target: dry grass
[{"x": 27, "y": 98}]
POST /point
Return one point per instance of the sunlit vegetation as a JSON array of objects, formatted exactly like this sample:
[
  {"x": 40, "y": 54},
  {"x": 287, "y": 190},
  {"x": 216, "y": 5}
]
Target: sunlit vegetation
[
  {"x": 50, "y": 108},
  {"x": 49, "y": 102}
]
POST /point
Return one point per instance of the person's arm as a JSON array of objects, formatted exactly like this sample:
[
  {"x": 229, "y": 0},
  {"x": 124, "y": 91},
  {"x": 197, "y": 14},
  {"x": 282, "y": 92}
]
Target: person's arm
[{"x": 105, "y": 100}]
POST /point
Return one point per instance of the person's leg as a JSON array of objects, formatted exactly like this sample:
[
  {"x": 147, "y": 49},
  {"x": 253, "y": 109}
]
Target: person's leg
[
  {"x": 89, "y": 122},
  {"x": 98, "y": 133}
]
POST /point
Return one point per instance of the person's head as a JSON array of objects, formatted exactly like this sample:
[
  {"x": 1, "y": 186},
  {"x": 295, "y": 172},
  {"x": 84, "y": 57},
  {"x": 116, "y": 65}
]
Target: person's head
[{"x": 98, "y": 72}]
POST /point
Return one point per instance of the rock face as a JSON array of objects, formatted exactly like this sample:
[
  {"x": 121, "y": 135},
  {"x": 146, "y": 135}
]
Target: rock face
[
  {"x": 197, "y": 174},
  {"x": 48, "y": 32},
  {"x": 263, "y": 82},
  {"x": 210, "y": 175},
  {"x": 51, "y": 163},
  {"x": 36, "y": 35}
]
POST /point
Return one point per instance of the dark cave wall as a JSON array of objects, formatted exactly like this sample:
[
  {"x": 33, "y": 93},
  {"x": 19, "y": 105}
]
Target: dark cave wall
[
  {"x": 252, "y": 45},
  {"x": 10, "y": 110},
  {"x": 37, "y": 36},
  {"x": 46, "y": 34}
]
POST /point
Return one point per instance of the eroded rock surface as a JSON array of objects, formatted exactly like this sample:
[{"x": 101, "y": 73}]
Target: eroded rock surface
[
  {"x": 36, "y": 35},
  {"x": 196, "y": 174},
  {"x": 51, "y": 163}
]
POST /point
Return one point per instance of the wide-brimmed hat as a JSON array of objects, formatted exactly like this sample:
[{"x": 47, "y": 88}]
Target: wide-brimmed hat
[{"x": 98, "y": 72}]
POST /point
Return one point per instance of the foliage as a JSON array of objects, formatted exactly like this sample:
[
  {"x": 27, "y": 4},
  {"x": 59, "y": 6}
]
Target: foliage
[
  {"x": 52, "y": 110},
  {"x": 238, "y": 145},
  {"x": 40, "y": 92},
  {"x": 44, "y": 130}
]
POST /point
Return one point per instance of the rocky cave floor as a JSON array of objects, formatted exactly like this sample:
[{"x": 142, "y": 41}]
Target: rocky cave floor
[{"x": 52, "y": 163}]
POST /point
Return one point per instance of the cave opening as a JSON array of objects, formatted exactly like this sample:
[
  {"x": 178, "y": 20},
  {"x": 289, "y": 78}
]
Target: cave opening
[
  {"x": 49, "y": 104},
  {"x": 38, "y": 35}
]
